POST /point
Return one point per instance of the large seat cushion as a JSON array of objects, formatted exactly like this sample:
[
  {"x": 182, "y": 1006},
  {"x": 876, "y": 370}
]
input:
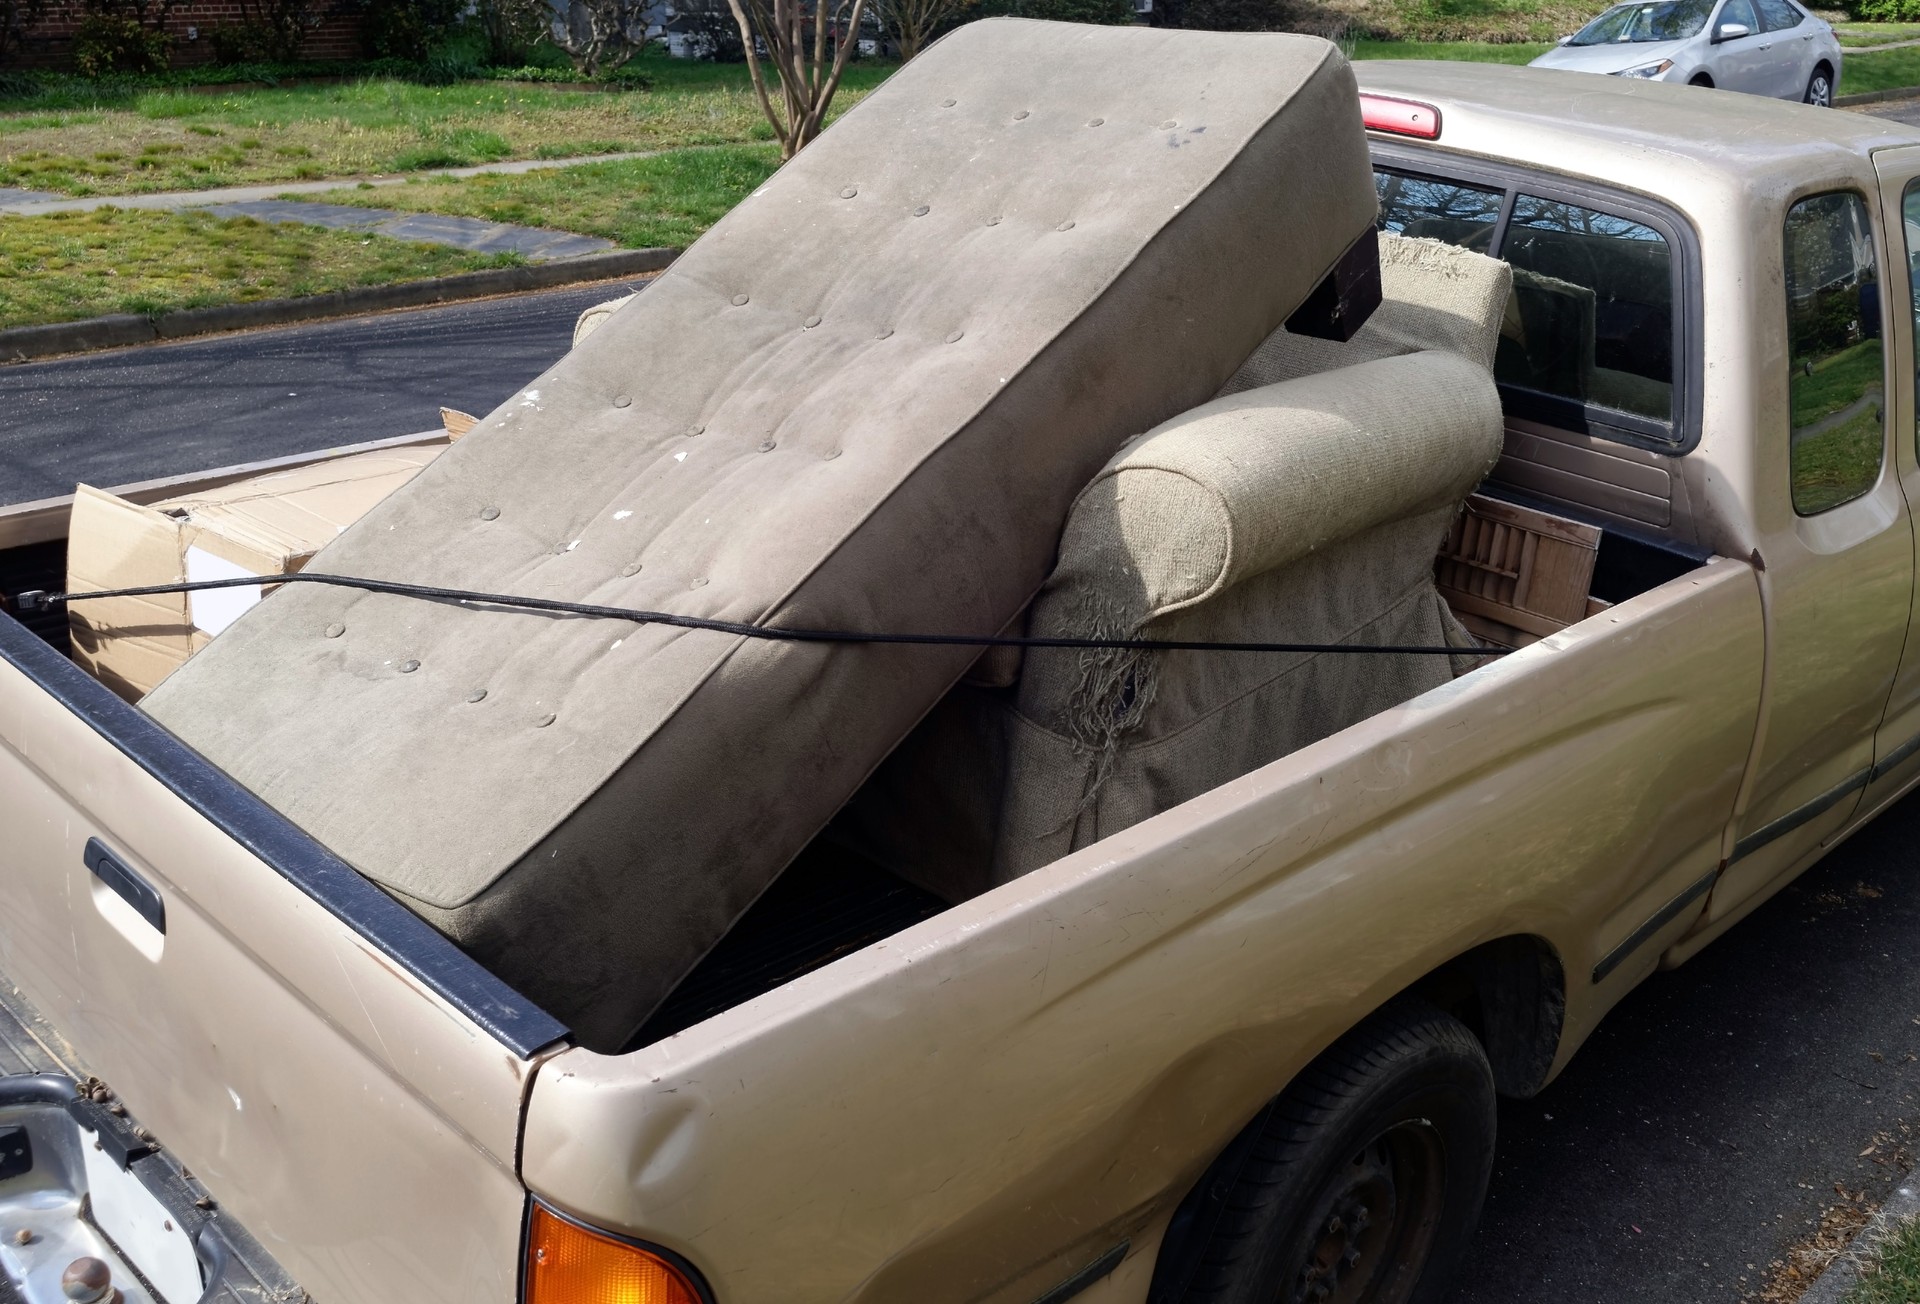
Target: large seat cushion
[
  {"x": 863, "y": 401},
  {"x": 1432, "y": 296}
]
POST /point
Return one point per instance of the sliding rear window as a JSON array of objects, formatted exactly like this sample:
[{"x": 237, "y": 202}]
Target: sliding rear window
[{"x": 1595, "y": 333}]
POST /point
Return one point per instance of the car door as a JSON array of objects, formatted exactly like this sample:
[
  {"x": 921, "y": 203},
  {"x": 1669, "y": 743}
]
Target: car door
[
  {"x": 1896, "y": 762},
  {"x": 1739, "y": 63},
  {"x": 1788, "y": 45},
  {"x": 1835, "y": 559}
]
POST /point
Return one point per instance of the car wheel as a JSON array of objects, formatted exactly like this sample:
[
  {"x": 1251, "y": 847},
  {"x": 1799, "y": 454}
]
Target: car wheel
[
  {"x": 1820, "y": 88},
  {"x": 1360, "y": 1183},
  {"x": 1701, "y": 79}
]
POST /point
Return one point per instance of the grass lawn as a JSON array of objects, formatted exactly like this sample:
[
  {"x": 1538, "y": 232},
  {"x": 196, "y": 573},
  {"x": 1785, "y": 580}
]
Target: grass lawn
[
  {"x": 69, "y": 266},
  {"x": 1853, "y": 33},
  {"x": 668, "y": 199},
  {"x": 1473, "y": 51},
  {"x": 1880, "y": 70},
  {"x": 1836, "y": 382},
  {"x": 182, "y": 140},
  {"x": 1894, "y": 1278}
]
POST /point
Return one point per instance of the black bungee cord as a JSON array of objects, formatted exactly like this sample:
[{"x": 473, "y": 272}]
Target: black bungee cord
[{"x": 39, "y": 600}]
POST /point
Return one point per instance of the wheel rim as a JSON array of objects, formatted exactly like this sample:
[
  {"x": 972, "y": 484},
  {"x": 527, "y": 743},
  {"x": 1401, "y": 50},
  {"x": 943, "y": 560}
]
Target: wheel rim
[
  {"x": 1820, "y": 92},
  {"x": 1373, "y": 1221}
]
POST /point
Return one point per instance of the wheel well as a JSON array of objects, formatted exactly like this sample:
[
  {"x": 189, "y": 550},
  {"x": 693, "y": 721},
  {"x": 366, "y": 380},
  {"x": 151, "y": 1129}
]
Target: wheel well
[
  {"x": 1701, "y": 79},
  {"x": 1512, "y": 993},
  {"x": 1824, "y": 66}
]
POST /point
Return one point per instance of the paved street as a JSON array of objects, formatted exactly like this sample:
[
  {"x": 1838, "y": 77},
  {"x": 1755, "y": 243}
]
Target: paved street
[
  {"x": 1907, "y": 111},
  {"x": 1705, "y": 1126},
  {"x": 167, "y": 409}
]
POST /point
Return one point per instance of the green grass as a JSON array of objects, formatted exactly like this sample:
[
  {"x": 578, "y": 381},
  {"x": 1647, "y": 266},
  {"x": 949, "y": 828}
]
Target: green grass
[
  {"x": 1838, "y": 465},
  {"x": 183, "y": 140},
  {"x": 1880, "y": 70},
  {"x": 1472, "y": 51},
  {"x": 1894, "y": 1277},
  {"x": 1863, "y": 33},
  {"x": 1836, "y": 381},
  {"x": 69, "y": 266},
  {"x": 668, "y": 199}
]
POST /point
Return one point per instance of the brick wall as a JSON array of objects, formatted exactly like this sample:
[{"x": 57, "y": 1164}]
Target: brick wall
[{"x": 50, "y": 41}]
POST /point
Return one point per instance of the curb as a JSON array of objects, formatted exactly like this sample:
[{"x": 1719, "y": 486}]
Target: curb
[
  {"x": 1876, "y": 97},
  {"x": 1843, "y": 1273},
  {"x": 24, "y": 343}
]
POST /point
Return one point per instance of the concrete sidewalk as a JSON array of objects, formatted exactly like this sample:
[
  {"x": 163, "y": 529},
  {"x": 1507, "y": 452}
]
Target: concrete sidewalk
[
  {"x": 33, "y": 203},
  {"x": 537, "y": 244},
  {"x": 267, "y": 204}
]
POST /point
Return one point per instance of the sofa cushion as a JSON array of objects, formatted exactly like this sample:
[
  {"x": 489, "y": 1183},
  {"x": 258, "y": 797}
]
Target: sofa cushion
[{"x": 1432, "y": 296}]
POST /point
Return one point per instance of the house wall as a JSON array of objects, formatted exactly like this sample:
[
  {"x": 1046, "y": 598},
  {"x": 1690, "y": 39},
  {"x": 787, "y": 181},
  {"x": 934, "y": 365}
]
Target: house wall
[{"x": 50, "y": 41}]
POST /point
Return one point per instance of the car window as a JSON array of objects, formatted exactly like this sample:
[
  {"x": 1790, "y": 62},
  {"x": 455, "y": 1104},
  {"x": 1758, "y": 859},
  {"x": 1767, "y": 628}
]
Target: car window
[
  {"x": 1737, "y": 11},
  {"x": 1663, "y": 20},
  {"x": 1835, "y": 377},
  {"x": 1439, "y": 210},
  {"x": 1910, "y": 220},
  {"x": 1592, "y": 311},
  {"x": 1778, "y": 15}
]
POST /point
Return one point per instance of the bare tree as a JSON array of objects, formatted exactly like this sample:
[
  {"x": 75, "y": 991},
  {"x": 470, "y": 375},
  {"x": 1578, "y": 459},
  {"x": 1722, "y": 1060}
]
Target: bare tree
[
  {"x": 800, "y": 60},
  {"x": 912, "y": 23},
  {"x": 598, "y": 35}
]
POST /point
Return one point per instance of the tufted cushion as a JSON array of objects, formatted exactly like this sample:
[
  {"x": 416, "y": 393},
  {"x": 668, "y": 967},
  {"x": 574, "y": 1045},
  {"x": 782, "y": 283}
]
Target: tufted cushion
[
  {"x": 1432, "y": 296},
  {"x": 864, "y": 400}
]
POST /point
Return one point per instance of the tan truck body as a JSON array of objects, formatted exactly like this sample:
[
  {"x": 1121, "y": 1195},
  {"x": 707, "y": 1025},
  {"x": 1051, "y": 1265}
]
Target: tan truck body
[{"x": 982, "y": 1105}]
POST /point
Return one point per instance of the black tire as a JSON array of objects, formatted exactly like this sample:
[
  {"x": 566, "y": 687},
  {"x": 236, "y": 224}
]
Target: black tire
[
  {"x": 1361, "y": 1183},
  {"x": 1701, "y": 79},
  {"x": 1820, "y": 87}
]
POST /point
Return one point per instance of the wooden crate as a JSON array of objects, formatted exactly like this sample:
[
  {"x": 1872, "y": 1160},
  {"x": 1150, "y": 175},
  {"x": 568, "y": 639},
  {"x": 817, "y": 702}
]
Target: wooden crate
[{"x": 1513, "y": 574}]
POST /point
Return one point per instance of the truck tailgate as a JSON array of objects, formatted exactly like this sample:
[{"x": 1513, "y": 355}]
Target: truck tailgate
[{"x": 342, "y": 1080}]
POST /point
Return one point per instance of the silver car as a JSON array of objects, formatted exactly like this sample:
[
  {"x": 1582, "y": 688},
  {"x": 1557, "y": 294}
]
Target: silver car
[{"x": 1763, "y": 47}]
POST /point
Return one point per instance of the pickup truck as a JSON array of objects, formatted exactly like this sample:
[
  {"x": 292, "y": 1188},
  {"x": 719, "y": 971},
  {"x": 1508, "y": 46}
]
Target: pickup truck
[{"x": 1246, "y": 1047}]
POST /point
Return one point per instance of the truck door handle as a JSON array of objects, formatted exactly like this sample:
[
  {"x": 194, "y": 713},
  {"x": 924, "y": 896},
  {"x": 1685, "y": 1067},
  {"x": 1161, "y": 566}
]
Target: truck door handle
[{"x": 126, "y": 884}]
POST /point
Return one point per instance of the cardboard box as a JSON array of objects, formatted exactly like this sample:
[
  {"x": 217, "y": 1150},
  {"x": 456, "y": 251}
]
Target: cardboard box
[{"x": 268, "y": 525}]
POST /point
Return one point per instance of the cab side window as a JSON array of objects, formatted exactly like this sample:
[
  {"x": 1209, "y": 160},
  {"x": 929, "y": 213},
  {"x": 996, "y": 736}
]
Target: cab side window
[
  {"x": 1592, "y": 311},
  {"x": 1910, "y": 219},
  {"x": 1836, "y": 384},
  {"x": 1778, "y": 15}
]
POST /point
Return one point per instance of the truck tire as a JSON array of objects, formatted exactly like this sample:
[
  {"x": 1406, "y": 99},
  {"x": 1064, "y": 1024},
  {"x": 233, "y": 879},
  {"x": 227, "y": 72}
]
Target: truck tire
[{"x": 1360, "y": 1183}]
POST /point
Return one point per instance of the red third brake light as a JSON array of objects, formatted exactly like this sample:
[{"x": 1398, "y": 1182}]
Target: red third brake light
[{"x": 1400, "y": 117}]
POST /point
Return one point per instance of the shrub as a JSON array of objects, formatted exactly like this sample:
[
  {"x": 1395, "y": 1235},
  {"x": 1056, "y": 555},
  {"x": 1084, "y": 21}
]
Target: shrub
[
  {"x": 113, "y": 43},
  {"x": 1887, "y": 11},
  {"x": 237, "y": 43},
  {"x": 406, "y": 29},
  {"x": 1115, "y": 13},
  {"x": 1235, "y": 15},
  {"x": 16, "y": 16}
]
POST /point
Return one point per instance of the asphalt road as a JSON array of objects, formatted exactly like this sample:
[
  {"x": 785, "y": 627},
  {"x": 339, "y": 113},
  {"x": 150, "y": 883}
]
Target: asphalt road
[
  {"x": 155, "y": 410},
  {"x": 1700, "y": 1135}
]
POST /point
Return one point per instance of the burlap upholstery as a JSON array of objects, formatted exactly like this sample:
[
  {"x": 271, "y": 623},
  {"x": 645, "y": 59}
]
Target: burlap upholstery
[
  {"x": 1433, "y": 296},
  {"x": 1308, "y": 511},
  {"x": 864, "y": 400},
  {"x": 1304, "y": 511}
]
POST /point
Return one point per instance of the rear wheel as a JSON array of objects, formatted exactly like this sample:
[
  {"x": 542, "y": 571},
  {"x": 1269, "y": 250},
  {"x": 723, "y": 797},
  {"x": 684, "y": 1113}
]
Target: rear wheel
[
  {"x": 1359, "y": 1184},
  {"x": 1820, "y": 87}
]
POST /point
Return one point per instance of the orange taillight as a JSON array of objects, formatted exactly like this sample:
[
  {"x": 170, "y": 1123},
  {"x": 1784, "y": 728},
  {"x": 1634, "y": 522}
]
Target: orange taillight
[{"x": 567, "y": 1264}]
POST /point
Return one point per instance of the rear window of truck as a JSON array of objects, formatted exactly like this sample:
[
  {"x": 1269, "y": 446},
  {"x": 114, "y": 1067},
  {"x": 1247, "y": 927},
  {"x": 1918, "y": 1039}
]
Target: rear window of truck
[{"x": 1591, "y": 337}]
